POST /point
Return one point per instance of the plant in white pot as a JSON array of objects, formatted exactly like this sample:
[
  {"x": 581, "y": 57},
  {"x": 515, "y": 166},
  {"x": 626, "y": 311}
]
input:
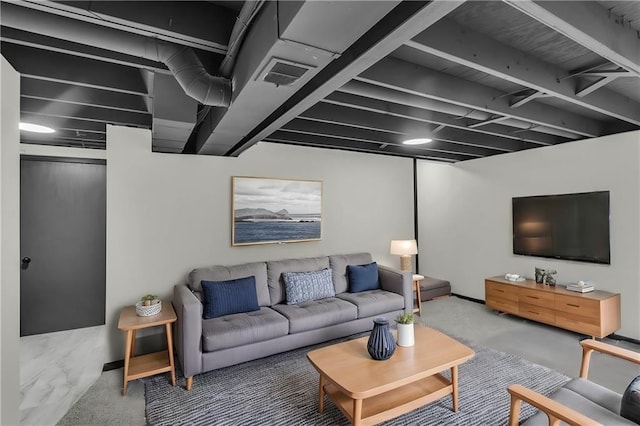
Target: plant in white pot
[
  {"x": 148, "y": 305},
  {"x": 404, "y": 323}
]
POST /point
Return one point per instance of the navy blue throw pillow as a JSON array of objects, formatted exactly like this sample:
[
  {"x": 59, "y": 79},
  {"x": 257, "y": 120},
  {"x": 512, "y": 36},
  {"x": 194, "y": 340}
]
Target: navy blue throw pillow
[
  {"x": 363, "y": 277},
  {"x": 630, "y": 405},
  {"x": 229, "y": 297}
]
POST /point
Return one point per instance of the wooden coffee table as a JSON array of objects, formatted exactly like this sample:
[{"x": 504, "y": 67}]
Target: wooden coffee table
[{"x": 369, "y": 391}]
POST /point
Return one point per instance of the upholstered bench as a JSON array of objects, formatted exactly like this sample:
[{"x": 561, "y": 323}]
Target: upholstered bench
[{"x": 430, "y": 288}]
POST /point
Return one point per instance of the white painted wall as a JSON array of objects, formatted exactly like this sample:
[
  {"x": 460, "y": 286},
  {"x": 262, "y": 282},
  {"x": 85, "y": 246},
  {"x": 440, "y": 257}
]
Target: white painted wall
[
  {"x": 465, "y": 215},
  {"x": 10, "y": 246},
  {"x": 167, "y": 214}
]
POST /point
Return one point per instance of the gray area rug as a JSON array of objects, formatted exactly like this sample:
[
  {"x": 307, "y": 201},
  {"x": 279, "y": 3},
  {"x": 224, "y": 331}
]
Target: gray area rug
[{"x": 283, "y": 390}]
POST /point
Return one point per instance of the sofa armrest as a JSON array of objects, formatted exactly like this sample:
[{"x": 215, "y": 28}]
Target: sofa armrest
[
  {"x": 188, "y": 336},
  {"x": 397, "y": 281},
  {"x": 554, "y": 410},
  {"x": 590, "y": 345}
]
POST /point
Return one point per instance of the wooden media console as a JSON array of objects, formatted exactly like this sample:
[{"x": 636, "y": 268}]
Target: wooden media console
[{"x": 596, "y": 313}]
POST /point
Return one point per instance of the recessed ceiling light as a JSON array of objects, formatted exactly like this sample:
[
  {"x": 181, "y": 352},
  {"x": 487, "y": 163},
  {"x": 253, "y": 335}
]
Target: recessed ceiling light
[
  {"x": 29, "y": 127},
  {"x": 418, "y": 141}
]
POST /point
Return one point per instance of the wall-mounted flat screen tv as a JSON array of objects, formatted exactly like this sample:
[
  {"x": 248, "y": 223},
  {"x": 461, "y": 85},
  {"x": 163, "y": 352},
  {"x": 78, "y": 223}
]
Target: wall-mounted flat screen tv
[{"x": 564, "y": 226}]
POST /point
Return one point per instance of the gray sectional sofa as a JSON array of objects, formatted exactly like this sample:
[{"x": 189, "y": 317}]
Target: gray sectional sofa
[{"x": 275, "y": 326}]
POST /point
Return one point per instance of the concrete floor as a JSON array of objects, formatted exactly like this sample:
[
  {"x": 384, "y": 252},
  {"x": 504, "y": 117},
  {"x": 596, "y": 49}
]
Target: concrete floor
[{"x": 544, "y": 345}]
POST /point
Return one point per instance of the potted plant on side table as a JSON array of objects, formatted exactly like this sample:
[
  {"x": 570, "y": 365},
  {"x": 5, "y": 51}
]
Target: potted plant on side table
[
  {"x": 148, "y": 305},
  {"x": 405, "y": 329}
]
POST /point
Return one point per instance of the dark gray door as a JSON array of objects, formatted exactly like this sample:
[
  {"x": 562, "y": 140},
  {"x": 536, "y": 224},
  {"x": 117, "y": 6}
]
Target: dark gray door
[{"x": 62, "y": 245}]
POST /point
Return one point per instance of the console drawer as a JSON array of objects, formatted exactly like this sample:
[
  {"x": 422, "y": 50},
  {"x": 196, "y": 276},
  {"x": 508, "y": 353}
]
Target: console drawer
[
  {"x": 538, "y": 298},
  {"x": 588, "y": 326},
  {"x": 502, "y": 291},
  {"x": 537, "y": 313},
  {"x": 502, "y": 305},
  {"x": 578, "y": 306}
]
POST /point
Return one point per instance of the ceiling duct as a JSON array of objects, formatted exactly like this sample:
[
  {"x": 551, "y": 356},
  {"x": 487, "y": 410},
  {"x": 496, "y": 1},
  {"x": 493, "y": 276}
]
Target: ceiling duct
[{"x": 181, "y": 61}]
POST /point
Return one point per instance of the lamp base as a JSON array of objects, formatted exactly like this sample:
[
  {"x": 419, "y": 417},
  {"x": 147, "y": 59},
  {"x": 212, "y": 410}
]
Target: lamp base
[{"x": 405, "y": 263}]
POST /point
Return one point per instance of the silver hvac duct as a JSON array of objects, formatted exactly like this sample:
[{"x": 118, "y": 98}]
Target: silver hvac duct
[{"x": 181, "y": 60}]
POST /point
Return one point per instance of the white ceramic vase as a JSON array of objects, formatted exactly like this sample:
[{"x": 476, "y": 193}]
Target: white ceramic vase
[{"x": 405, "y": 335}]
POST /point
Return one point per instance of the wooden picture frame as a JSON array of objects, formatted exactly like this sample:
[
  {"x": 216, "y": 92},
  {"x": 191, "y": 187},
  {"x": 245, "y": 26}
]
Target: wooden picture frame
[{"x": 275, "y": 210}]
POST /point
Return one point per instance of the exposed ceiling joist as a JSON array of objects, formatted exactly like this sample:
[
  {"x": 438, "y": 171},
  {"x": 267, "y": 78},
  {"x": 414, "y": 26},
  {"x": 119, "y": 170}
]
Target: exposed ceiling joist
[
  {"x": 587, "y": 23},
  {"x": 324, "y": 139},
  {"x": 405, "y": 128},
  {"x": 66, "y": 110},
  {"x": 394, "y": 107},
  {"x": 52, "y": 66},
  {"x": 54, "y": 91},
  {"x": 28, "y": 39},
  {"x": 410, "y": 78},
  {"x": 199, "y": 24},
  {"x": 446, "y": 39},
  {"x": 403, "y": 23}
]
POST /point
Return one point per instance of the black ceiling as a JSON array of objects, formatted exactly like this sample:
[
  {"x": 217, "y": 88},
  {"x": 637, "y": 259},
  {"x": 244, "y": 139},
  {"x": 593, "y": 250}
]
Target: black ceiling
[{"x": 479, "y": 78}]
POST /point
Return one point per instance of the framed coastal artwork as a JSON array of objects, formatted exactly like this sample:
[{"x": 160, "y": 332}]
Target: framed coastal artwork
[{"x": 274, "y": 211}]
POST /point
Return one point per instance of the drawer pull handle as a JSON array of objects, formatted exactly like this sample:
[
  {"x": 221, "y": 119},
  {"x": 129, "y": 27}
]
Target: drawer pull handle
[
  {"x": 500, "y": 291},
  {"x": 533, "y": 297},
  {"x": 533, "y": 312},
  {"x": 572, "y": 305}
]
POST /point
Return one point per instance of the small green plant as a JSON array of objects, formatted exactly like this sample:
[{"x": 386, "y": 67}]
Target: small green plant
[
  {"x": 406, "y": 318},
  {"x": 149, "y": 299}
]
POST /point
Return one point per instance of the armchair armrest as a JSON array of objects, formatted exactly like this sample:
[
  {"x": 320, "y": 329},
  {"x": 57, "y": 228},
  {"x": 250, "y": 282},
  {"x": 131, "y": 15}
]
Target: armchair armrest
[
  {"x": 590, "y": 345},
  {"x": 399, "y": 282},
  {"x": 188, "y": 337},
  {"x": 554, "y": 410}
]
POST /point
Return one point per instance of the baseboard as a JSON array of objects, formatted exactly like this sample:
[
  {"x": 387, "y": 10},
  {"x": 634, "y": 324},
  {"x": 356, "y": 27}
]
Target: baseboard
[
  {"x": 471, "y": 299},
  {"x": 114, "y": 365},
  {"x": 624, "y": 338}
]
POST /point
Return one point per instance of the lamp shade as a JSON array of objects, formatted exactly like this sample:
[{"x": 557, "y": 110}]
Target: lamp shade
[{"x": 404, "y": 247}]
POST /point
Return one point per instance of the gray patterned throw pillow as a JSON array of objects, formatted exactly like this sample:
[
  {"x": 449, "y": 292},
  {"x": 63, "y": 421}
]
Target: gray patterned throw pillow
[{"x": 305, "y": 286}]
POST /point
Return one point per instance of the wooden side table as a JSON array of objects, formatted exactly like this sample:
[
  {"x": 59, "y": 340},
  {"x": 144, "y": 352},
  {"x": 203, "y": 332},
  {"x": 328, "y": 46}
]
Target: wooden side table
[
  {"x": 139, "y": 366},
  {"x": 416, "y": 283}
]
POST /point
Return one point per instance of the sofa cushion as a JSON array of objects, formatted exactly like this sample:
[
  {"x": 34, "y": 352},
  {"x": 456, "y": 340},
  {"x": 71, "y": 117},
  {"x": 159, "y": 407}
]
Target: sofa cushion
[
  {"x": 339, "y": 267},
  {"x": 581, "y": 404},
  {"x": 229, "y": 297},
  {"x": 242, "y": 329},
  {"x": 275, "y": 269},
  {"x": 606, "y": 398},
  {"x": 317, "y": 313},
  {"x": 630, "y": 405},
  {"x": 225, "y": 273},
  {"x": 363, "y": 277},
  {"x": 305, "y": 286},
  {"x": 374, "y": 302}
]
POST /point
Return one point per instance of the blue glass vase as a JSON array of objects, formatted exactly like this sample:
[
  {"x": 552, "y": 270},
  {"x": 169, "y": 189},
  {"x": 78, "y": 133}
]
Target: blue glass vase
[{"x": 381, "y": 344}]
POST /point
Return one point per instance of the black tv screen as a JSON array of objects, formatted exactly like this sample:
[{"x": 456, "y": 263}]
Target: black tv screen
[{"x": 565, "y": 226}]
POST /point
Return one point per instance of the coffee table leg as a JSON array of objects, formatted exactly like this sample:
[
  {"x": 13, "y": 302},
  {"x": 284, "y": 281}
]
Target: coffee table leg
[
  {"x": 454, "y": 385},
  {"x": 321, "y": 400},
  {"x": 357, "y": 411}
]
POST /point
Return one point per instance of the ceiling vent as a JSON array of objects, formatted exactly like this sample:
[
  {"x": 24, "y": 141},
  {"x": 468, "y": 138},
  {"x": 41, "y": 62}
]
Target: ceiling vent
[{"x": 282, "y": 72}]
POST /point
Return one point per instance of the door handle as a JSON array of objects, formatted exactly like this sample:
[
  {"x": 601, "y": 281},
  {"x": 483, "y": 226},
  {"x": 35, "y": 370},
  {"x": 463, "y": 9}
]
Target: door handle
[{"x": 25, "y": 262}]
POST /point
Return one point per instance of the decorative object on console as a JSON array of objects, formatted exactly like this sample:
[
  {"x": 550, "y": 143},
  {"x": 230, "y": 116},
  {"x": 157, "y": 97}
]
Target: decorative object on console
[
  {"x": 405, "y": 249},
  {"x": 581, "y": 287},
  {"x": 148, "y": 305},
  {"x": 540, "y": 275},
  {"x": 548, "y": 277},
  {"x": 381, "y": 344},
  {"x": 404, "y": 323},
  {"x": 273, "y": 211}
]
